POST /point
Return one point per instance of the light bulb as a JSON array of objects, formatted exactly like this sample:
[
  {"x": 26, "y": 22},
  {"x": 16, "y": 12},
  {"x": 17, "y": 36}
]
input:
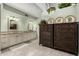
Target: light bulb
[
  {"x": 10, "y": 17},
  {"x": 14, "y": 18}
]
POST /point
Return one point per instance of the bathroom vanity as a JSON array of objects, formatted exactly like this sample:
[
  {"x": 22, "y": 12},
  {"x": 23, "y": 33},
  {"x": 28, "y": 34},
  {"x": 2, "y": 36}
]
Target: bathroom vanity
[
  {"x": 12, "y": 38},
  {"x": 61, "y": 36}
]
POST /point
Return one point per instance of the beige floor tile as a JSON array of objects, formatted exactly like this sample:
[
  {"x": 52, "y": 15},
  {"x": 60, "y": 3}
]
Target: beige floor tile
[{"x": 33, "y": 49}]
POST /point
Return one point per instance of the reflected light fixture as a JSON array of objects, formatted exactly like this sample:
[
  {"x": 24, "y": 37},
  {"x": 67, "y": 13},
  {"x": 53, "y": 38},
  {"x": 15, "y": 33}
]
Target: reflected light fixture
[
  {"x": 51, "y": 7},
  {"x": 10, "y": 18},
  {"x": 14, "y": 18}
]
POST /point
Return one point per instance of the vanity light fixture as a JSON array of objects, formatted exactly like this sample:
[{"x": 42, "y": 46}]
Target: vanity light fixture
[
  {"x": 14, "y": 18},
  {"x": 10, "y": 18},
  {"x": 17, "y": 19}
]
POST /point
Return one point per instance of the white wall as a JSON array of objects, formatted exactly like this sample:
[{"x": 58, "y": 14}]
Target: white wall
[
  {"x": 62, "y": 12},
  {"x": 77, "y": 12},
  {"x": 28, "y": 8},
  {"x": 0, "y": 28},
  {"x": 22, "y": 21},
  {"x": 0, "y": 17}
]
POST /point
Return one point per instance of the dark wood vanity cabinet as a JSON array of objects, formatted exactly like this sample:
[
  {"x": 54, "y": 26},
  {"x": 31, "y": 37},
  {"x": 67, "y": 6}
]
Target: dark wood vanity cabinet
[
  {"x": 46, "y": 35},
  {"x": 63, "y": 36},
  {"x": 66, "y": 37}
]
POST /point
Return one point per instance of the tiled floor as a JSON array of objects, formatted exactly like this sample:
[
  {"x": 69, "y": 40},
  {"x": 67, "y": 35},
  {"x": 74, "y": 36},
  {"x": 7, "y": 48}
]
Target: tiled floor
[{"x": 32, "y": 49}]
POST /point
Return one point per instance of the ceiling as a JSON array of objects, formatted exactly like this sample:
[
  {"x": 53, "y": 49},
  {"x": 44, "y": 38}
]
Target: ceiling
[{"x": 33, "y": 9}]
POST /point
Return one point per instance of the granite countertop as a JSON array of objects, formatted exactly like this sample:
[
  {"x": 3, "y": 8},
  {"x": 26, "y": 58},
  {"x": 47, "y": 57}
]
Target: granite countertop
[{"x": 15, "y": 32}]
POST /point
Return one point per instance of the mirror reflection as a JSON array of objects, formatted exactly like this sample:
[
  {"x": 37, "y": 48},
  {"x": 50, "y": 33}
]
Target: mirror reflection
[{"x": 12, "y": 23}]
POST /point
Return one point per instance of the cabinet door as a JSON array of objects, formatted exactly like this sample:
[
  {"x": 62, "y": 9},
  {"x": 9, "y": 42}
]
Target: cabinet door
[
  {"x": 46, "y": 36},
  {"x": 48, "y": 39},
  {"x": 11, "y": 39},
  {"x": 4, "y": 41},
  {"x": 18, "y": 38},
  {"x": 65, "y": 37}
]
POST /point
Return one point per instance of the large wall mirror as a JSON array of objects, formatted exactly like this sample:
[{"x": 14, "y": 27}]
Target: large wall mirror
[{"x": 12, "y": 23}]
